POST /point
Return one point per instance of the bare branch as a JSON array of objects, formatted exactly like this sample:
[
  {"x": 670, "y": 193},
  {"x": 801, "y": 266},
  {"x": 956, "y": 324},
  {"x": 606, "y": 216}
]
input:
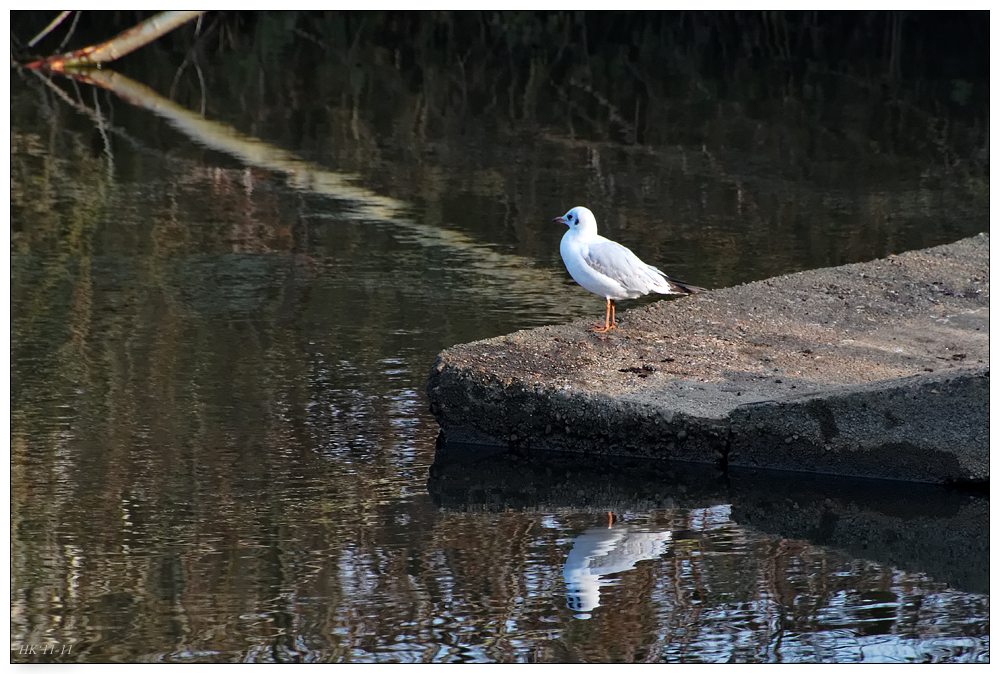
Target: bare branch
[
  {"x": 72, "y": 27},
  {"x": 128, "y": 41},
  {"x": 49, "y": 28}
]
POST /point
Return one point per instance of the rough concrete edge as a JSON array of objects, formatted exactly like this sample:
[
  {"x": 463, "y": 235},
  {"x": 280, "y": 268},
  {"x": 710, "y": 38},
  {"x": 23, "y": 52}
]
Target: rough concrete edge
[
  {"x": 852, "y": 430},
  {"x": 922, "y": 428},
  {"x": 480, "y": 409}
]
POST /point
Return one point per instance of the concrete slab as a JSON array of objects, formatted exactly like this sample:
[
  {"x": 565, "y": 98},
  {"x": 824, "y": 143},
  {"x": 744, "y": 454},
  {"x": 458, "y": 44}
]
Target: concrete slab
[{"x": 877, "y": 369}]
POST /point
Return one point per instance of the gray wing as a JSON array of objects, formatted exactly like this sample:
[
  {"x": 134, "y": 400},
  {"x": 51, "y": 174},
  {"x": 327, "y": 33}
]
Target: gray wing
[{"x": 623, "y": 266}]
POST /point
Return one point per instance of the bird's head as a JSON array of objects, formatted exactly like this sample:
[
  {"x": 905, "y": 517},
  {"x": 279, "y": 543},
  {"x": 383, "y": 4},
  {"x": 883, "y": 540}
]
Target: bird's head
[{"x": 580, "y": 219}]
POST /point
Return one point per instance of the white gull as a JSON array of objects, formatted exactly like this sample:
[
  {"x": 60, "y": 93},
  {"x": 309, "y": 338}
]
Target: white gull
[{"x": 610, "y": 269}]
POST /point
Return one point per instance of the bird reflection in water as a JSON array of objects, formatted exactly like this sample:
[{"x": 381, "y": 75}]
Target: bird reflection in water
[{"x": 599, "y": 553}]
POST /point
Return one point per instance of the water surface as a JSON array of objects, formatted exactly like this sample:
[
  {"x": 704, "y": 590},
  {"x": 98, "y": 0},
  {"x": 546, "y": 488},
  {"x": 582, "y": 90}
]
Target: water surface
[{"x": 220, "y": 333}]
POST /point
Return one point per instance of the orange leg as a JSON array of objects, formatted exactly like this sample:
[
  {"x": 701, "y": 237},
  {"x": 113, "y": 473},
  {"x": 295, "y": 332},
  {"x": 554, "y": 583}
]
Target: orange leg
[{"x": 609, "y": 319}]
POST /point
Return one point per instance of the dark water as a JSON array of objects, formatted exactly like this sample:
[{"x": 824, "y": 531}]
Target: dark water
[{"x": 221, "y": 450}]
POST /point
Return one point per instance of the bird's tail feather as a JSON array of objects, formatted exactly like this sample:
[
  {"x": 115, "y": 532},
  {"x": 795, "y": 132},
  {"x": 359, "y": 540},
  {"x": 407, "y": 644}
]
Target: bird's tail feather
[
  {"x": 685, "y": 288},
  {"x": 679, "y": 287}
]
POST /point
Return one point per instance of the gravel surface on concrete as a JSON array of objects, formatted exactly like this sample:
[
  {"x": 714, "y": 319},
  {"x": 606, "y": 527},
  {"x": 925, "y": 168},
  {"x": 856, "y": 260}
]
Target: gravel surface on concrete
[{"x": 877, "y": 369}]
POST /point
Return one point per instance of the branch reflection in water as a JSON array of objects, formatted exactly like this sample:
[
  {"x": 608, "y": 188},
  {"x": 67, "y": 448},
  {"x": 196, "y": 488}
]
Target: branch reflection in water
[{"x": 501, "y": 273}]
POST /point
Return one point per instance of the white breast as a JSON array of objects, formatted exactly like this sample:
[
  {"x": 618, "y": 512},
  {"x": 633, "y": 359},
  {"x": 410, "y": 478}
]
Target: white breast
[{"x": 573, "y": 253}]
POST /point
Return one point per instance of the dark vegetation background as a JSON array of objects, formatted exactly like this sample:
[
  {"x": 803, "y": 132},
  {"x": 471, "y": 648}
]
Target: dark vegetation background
[{"x": 635, "y": 77}]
